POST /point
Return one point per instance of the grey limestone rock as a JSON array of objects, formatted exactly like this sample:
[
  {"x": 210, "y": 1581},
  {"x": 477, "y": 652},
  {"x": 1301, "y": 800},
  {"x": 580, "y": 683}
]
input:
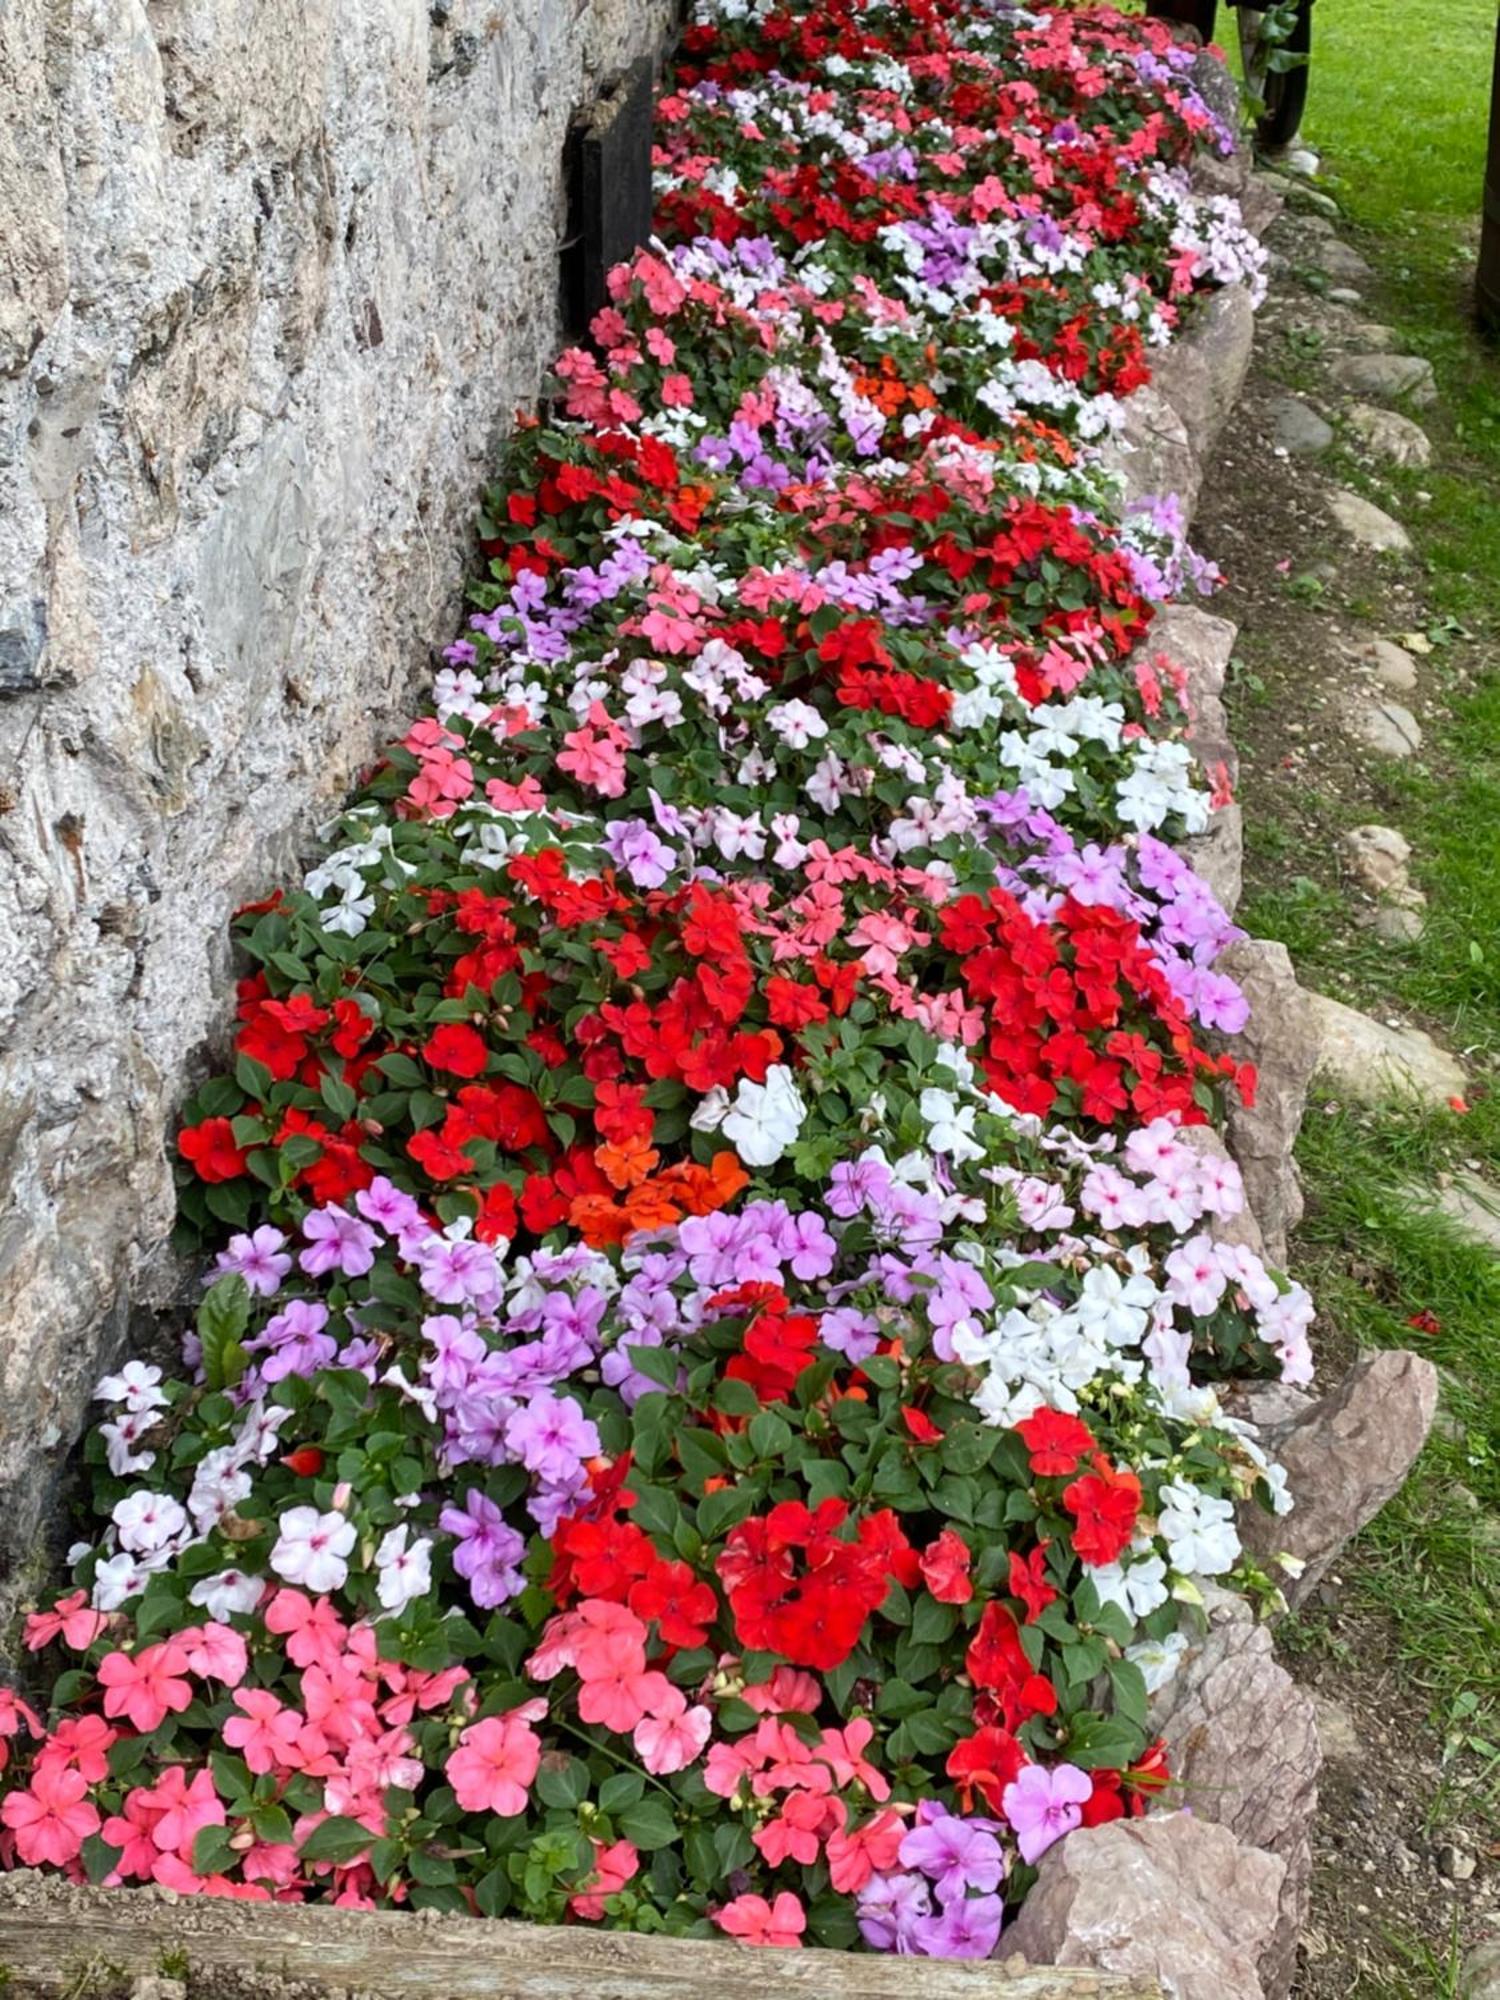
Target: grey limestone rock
[{"x": 1175, "y": 1897}]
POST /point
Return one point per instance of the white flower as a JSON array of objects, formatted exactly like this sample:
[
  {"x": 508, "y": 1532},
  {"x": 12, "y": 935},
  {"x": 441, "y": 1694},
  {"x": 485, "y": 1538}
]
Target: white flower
[
  {"x": 229, "y": 1594},
  {"x": 1198, "y": 1529},
  {"x": 405, "y": 1573},
  {"x": 797, "y": 723},
  {"x": 136, "y": 1387},
  {"x": 114, "y": 1581},
  {"x": 765, "y": 1118},
  {"x": 119, "y": 1442},
  {"x": 311, "y": 1549},
  {"x": 1137, "y": 1590},
  {"x": 712, "y": 1110},
  {"x": 148, "y": 1522},
  {"x": 1194, "y": 1278},
  {"x": 1158, "y": 1659},
  {"x": 950, "y": 1126},
  {"x": 219, "y": 1484}
]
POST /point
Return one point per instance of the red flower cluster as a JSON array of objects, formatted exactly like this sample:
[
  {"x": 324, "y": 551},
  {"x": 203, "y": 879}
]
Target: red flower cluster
[{"x": 812, "y": 1614}]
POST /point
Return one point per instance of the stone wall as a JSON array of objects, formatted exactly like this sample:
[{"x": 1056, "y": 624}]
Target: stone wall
[{"x": 273, "y": 274}]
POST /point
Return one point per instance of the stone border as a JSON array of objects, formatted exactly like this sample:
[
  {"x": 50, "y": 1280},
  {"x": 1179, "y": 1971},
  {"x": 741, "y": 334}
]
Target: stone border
[{"x": 1213, "y": 1905}]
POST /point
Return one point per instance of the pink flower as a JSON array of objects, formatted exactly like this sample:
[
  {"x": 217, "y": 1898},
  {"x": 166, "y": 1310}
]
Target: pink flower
[
  {"x": 314, "y": 1631},
  {"x": 856, "y": 1853},
  {"x": 264, "y": 1733},
  {"x": 674, "y": 1736},
  {"x": 69, "y": 1619},
  {"x": 798, "y": 1831},
  {"x": 52, "y": 1819},
  {"x": 842, "y": 1750},
  {"x": 339, "y": 1702},
  {"x": 613, "y": 1868},
  {"x": 755, "y": 1921},
  {"x": 215, "y": 1652},
  {"x": 14, "y": 1712},
  {"x": 789, "y": 1691},
  {"x": 1043, "y": 1805},
  {"x": 618, "y": 1699},
  {"x": 496, "y": 1761},
  {"x": 82, "y": 1741},
  {"x": 183, "y": 1810},
  {"x": 729, "y": 1764},
  {"x": 146, "y": 1688}
]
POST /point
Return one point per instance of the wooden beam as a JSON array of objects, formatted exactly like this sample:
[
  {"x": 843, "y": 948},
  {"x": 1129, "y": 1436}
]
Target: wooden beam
[{"x": 57, "y": 1942}]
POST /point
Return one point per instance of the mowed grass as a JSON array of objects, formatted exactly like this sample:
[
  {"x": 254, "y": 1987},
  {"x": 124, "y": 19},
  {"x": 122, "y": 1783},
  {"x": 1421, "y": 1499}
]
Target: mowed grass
[{"x": 1398, "y": 110}]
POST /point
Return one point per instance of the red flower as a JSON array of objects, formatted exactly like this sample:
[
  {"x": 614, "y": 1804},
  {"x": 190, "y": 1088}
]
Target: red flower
[
  {"x": 998, "y": 1663},
  {"x": 457, "y": 1048},
  {"x": 921, "y": 1426},
  {"x": 1104, "y": 1504},
  {"x": 677, "y": 1601},
  {"x": 945, "y": 1568},
  {"x": 813, "y": 1616},
  {"x": 986, "y": 1763},
  {"x": 1028, "y": 1581},
  {"x": 1055, "y": 1441},
  {"x": 212, "y": 1150}
]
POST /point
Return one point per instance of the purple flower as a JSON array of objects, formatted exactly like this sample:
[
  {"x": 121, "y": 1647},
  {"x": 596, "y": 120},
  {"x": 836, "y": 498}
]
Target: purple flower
[
  {"x": 856, "y": 1184},
  {"x": 293, "y": 1341},
  {"x": 550, "y": 1435},
  {"x": 1043, "y": 1805},
  {"x": 385, "y": 1205},
  {"x": 258, "y": 1258},
  {"x": 635, "y": 848},
  {"x": 955, "y": 1854},
  {"x": 855, "y": 1335},
  {"x": 339, "y": 1242},
  {"x": 967, "y": 1927},
  {"x": 807, "y": 1245},
  {"x": 889, "y": 1908},
  {"x": 490, "y": 1551}
]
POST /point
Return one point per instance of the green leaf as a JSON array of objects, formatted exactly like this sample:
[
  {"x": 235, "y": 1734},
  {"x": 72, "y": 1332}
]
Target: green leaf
[
  {"x": 931, "y": 1622},
  {"x": 223, "y": 1317},
  {"x": 563, "y": 1785},
  {"x": 658, "y": 1364},
  {"x": 649, "y": 1824},
  {"x": 212, "y": 1853},
  {"x": 1103, "y": 1742},
  {"x": 336, "y": 1840},
  {"x": 99, "y": 1858},
  {"x": 721, "y": 1511},
  {"x": 623, "y": 1789}
]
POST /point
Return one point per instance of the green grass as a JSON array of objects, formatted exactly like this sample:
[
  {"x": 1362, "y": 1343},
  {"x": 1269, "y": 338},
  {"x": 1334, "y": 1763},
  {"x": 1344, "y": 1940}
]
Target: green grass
[{"x": 1398, "y": 109}]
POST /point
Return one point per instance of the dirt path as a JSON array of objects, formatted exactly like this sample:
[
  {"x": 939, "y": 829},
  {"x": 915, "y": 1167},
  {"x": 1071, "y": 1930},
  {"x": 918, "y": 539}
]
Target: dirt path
[{"x": 1316, "y": 684}]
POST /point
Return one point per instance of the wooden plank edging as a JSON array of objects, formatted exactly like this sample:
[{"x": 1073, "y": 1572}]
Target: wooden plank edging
[{"x": 57, "y": 1941}]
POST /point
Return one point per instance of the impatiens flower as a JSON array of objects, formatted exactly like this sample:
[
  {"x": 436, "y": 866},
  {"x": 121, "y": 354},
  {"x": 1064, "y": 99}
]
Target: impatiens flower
[
  {"x": 614, "y": 1866},
  {"x": 214, "y": 1652},
  {"x": 147, "y": 1687},
  {"x": 1042, "y": 1805},
  {"x": 404, "y": 1568},
  {"x": 52, "y": 1818},
  {"x": 1055, "y": 1442},
  {"x": 311, "y": 1548},
  {"x": 945, "y": 1568},
  {"x": 70, "y": 1619},
  {"x": 753, "y": 1920},
  {"x": 955, "y": 1854},
  {"x": 765, "y": 1118},
  {"x": 496, "y": 1760},
  {"x": 264, "y": 1732}
]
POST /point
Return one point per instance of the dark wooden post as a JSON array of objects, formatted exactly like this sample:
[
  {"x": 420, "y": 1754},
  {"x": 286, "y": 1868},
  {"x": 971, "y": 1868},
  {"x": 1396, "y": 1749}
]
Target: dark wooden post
[{"x": 1487, "y": 284}]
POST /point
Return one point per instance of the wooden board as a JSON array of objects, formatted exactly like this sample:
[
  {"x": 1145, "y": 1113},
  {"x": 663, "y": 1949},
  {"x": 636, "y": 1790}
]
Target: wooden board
[{"x": 58, "y": 1942}]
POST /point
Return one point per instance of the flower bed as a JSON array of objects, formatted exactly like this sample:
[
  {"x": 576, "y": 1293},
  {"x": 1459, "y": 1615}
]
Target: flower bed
[{"x": 701, "y": 1418}]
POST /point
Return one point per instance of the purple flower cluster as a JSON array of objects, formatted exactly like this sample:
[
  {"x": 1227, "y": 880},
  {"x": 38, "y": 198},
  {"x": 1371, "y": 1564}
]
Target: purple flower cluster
[{"x": 942, "y": 1902}]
